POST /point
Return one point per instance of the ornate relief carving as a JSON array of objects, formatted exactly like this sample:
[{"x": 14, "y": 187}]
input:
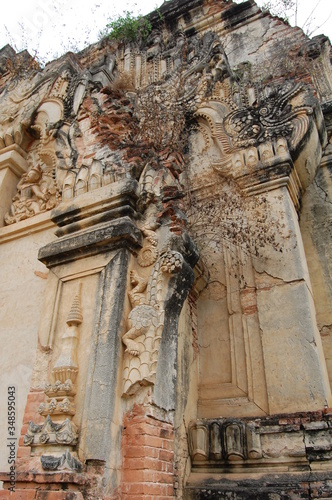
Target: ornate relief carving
[
  {"x": 36, "y": 193},
  {"x": 66, "y": 367},
  {"x": 223, "y": 441},
  {"x": 51, "y": 433},
  {"x": 146, "y": 321},
  {"x": 247, "y": 137},
  {"x": 58, "y": 406},
  {"x": 61, "y": 393},
  {"x": 60, "y": 398},
  {"x": 149, "y": 253},
  {"x": 60, "y": 389},
  {"x": 271, "y": 117},
  {"x": 65, "y": 461},
  {"x": 37, "y": 190}
]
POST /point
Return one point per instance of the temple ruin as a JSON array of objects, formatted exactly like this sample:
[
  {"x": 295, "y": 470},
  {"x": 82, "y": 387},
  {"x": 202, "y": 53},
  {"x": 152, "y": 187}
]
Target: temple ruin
[{"x": 166, "y": 262}]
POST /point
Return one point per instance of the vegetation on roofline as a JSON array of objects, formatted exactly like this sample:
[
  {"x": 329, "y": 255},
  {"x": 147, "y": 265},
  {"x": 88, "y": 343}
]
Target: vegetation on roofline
[{"x": 129, "y": 28}]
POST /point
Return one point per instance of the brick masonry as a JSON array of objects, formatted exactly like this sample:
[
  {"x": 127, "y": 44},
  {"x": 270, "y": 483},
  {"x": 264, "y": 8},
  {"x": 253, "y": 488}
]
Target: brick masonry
[{"x": 148, "y": 455}]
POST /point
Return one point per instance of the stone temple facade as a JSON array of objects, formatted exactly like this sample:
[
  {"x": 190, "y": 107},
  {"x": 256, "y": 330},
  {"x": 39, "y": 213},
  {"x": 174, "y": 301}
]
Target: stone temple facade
[{"x": 165, "y": 245}]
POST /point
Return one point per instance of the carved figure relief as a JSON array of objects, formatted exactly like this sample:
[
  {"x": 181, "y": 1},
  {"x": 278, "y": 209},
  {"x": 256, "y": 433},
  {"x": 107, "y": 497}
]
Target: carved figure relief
[
  {"x": 37, "y": 193},
  {"x": 37, "y": 190},
  {"x": 146, "y": 321}
]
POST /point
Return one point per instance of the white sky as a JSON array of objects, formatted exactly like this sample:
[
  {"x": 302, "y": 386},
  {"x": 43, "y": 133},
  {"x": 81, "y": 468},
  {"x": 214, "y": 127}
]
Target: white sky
[{"x": 50, "y": 28}]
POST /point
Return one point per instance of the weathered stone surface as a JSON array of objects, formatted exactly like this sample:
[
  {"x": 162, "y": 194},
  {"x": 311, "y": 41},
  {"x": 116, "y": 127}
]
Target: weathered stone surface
[{"x": 178, "y": 342}]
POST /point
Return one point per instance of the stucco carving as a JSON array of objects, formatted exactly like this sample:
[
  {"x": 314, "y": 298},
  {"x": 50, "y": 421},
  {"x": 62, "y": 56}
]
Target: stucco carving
[
  {"x": 63, "y": 433},
  {"x": 37, "y": 190},
  {"x": 273, "y": 116},
  {"x": 65, "y": 461},
  {"x": 146, "y": 321},
  {"x": 61, "y": 393},
  {"x": 223, "y": 441},
  {"x": 250, "y": 128},
  {"x": 37, "y": 193}
]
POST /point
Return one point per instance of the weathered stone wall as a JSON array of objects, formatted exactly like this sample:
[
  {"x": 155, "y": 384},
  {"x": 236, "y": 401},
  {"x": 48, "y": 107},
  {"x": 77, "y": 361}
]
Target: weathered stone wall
[{"x": 165, "y": 246}]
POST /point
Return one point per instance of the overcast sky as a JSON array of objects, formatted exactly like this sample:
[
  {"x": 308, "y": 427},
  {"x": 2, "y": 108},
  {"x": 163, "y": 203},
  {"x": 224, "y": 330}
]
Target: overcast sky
[{"x": 51, "y": 28}]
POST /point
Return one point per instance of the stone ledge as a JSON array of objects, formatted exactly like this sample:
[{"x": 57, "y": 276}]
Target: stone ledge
[
  {"x": 120, "y": 233},
  {"x": 26, "y": 227},
  {"x": 292, "y": 484}
]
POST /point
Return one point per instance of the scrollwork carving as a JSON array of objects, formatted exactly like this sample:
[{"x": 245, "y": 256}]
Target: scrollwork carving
[{"x": 271, "y": 118}]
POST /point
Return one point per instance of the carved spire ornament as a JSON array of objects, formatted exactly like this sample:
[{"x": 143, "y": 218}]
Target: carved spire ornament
[{"x": 60, "y": 394}]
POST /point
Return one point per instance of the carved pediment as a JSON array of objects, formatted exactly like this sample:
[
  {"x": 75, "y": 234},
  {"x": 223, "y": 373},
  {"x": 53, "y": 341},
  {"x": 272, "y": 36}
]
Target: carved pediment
[{"x": 249, "y": 130}]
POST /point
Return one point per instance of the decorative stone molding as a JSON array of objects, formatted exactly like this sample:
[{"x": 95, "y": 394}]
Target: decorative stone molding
[
  {"x": 14, "y": 158},
  {"x": 299, "y": 439},
  {"x": 51, "y": 433},
  {"x": 57, "y": 406},
  {"x": 64, "y": 462},
  {"x": 223, "y": 441}
]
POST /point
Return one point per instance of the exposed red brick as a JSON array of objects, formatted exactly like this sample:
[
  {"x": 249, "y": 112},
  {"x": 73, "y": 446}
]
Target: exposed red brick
[
  {"x": 23, "y": 451},
  {"x": 58, "y": 495},
  {"x": 147, "y": 450},
  {"x": 18, "y": 494}
]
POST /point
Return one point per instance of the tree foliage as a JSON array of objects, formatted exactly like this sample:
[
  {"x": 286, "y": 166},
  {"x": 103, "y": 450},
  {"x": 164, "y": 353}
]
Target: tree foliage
[{"x": 129, "y": 28}]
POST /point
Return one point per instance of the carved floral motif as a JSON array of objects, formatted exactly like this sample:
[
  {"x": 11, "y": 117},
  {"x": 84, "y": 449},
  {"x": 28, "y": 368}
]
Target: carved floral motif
[{"x": 272, "y": 117}]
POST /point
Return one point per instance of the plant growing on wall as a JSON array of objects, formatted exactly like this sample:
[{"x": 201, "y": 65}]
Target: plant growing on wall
[{"x": 129, "y": 28}]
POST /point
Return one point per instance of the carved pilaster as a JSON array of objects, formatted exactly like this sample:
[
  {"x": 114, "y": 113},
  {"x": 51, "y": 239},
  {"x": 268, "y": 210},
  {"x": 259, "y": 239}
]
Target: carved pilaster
[
  {"x": 60, "y": 395},
  {"x": 60, "y": 398},
  {"x": 13, "y": 165}
]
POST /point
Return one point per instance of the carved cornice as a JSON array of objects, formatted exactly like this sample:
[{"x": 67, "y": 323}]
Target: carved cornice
[{"x": 14, "y": 158}]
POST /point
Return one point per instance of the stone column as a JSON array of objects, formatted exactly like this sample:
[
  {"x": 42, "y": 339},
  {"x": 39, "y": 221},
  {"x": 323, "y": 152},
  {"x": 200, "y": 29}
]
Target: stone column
[
  {"x": 295, "y": 369},
  {"x": 12, "y": 165}
]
